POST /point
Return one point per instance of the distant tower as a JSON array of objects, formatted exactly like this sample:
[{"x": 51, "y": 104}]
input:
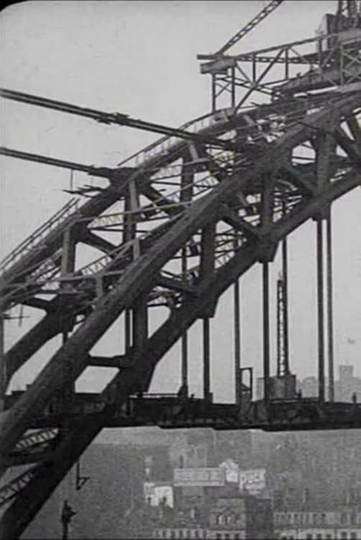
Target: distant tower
[{"x": 346, "y": 372}]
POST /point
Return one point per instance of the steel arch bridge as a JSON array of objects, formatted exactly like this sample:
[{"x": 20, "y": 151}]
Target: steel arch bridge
[{"x": 196, "y": 210}]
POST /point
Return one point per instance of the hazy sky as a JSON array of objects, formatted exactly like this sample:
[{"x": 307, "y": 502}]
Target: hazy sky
[{"x": 140, "y": 58}]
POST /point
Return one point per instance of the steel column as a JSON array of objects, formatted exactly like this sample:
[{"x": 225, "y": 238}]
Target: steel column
[
  {"x": 266, "y": 330},
  {"x": 206, "y": 270},
  {"x": 127, "y": 330},
  {"x": 187, "y": 178},
  {"x": 129, "y": 233},
  {"x": 214, "y": 92},
  {"x": 285, "y": 300},
  {"x": 237, "y": 336},
  {"x": 140, "y": 324},
  {"x": 237, "y": 341},
  {"x": 67, "y": 267},
  {"x": 3, "y": 370},
  {"x": 206, "y": 358},
  {"x": 184, "y": 339},
  {"x": 233, "y": 87},
  {"x": 320, "y": 312},
  {"x": 331, "y": 383},
  {"x": 184, "y": 345}
]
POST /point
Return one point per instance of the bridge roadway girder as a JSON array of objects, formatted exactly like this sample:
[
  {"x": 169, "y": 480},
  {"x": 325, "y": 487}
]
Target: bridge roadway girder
[
  {"x": 138, "y": 278},
  {"x": 171, "y": 411}
]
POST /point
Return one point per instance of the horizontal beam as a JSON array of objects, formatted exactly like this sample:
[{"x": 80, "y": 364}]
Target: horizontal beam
[
  {"x": 119, "y": 361},
  {"x": 25, "y": 458},
  {"x": 176, "y": 285},
  {"x": 38, "y": 303},
  {"x": 108, "y": 118},
  {"x": 89, "y": 169},
  {"x": 283, "y": 46}
]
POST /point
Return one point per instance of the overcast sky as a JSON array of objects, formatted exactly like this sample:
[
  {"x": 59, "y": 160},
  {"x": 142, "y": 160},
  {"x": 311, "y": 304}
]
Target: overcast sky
[{"x": 140, "y": 58}]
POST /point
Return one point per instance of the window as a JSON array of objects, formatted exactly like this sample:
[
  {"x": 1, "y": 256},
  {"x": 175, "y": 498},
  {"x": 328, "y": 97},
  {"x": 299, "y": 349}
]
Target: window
[
  {"x": 344, "y": 536},
  {"x": 309, "y": 536},
  {"x": 319, "y": 536},
  {"x": 230, "y": 519},
  {"x": 353, "y": 536},
  {"x": 219, "y": 536}
]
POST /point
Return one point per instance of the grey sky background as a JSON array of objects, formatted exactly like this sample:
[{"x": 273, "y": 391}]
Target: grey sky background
[{"x": 140, "y": 58}]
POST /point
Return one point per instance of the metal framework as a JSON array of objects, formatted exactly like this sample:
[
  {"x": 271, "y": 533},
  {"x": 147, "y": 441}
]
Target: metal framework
[{"x": 195, "y": 211}]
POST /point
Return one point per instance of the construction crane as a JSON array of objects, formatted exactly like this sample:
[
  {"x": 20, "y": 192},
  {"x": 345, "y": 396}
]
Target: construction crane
[
  {"x": 267, "y": 10},
  {"x": 348, "y": 15},
  {"x": 219, "y": 64}
]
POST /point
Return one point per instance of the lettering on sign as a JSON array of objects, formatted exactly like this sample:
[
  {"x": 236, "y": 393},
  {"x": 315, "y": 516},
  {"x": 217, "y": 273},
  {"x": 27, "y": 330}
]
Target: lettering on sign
[
  {"x": 199, "y": 477},
  {"x": 253, "y": 480}
]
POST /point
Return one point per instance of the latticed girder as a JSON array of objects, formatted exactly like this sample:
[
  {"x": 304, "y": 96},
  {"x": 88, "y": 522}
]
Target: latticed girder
[
  {"x": 11, "y": 489},
  {"x": 26, "y": 276},
  {"x": 236, "y": 221},
  {"x": 267, "y": 10}
]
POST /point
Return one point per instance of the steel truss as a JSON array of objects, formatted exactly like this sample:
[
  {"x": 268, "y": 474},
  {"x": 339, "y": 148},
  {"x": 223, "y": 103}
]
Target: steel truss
[
  {"x": 135, "y": 272},
  {"x": 193, "y": 216}
]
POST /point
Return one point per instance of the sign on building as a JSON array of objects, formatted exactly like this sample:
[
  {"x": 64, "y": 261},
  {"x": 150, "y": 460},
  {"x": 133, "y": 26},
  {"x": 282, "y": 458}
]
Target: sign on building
[
  {"x": 252, "y": 480},
  {"x": 199, "y": 477},
  {"x": 164, "y": 495},
  {"x": 158, "y": 494},
  {"x": 231, "y": 470}
]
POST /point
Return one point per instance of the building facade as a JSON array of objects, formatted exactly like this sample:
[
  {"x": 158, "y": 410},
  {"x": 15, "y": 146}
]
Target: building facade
[{"x": 337, "y": 525}]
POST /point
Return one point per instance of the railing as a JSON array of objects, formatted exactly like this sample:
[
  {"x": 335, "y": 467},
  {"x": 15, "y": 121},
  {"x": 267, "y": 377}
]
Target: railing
[
  {"x": 12, "y": 488},
  {"x": 154, "y": 396},
  {"x": 37, "y": 236},
  {"x": 35, "y": 439},
  {"x": 162, "y": 146}
]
